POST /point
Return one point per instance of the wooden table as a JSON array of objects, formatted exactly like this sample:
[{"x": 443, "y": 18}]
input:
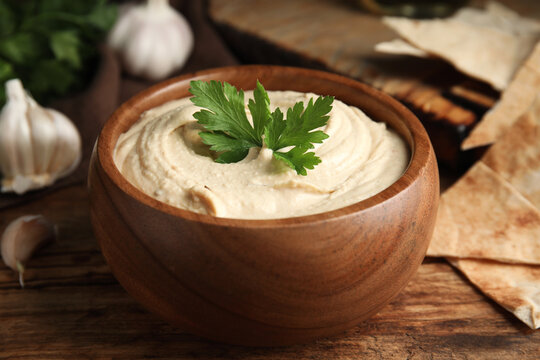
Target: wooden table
[{"x": 72, "y": 307}]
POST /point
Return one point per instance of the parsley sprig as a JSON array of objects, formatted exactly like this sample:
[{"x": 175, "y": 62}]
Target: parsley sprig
[
  {"x": 230, "y": 133},
  {"x": 51, "y": 45}
]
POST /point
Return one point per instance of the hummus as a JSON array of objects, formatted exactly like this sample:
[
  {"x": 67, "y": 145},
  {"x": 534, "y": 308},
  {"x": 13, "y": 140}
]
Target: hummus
[{"x": 163, "y": 155}]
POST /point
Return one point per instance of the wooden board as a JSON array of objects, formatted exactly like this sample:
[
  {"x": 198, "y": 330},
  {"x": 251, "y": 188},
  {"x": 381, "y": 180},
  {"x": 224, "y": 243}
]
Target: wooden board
[
  {"x": 73, "y": 308},
  {"x": 337, "y": 36}
]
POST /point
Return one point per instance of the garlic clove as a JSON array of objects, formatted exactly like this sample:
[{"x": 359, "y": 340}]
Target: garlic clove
[
  {"x": 138, "y": 52},
  {"x": 180, "y": 35},
  {"x": 161, "y": 62},
  {"x": 37, "y": 145},
  {"x": 42, "y": 134},
  {"x": 153, "y": 39},
  {"x": 68, "y": 146},
  {"x": 15, "y": 130},
  {"x": 21, "y": 184},
  {"x": 22, "y": 238}
]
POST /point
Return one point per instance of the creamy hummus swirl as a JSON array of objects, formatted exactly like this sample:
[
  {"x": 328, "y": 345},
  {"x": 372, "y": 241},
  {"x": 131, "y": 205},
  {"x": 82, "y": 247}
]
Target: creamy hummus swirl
[{"x": 163, "y": 155}]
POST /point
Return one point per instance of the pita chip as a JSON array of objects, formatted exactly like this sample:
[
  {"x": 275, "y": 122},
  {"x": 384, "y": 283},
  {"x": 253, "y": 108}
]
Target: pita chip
[
  {"x": 445, "y": 237},
  {"x": 499, "y": 17},
  {"x": 516, "y": 156},
  {"x": 515, "y": 287},
  {"x": 487, "y": 44},
  {"x": 514, "y": 102},
  {"x": 400, "y": 47},
  {"x": 492, "y": 220}
]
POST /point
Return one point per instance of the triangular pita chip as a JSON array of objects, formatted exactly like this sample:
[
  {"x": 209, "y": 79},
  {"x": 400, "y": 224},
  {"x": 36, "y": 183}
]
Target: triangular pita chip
[
  {"x": 493, "y": 220},
  {"x": 516, "y": 156},
  {"x": 514, "y": 102},
  {"x": 498, "y": 16},
  {"x": 488, "y": 45},
  {"x": 514, "y": 287},
  {"x": 445, "y": 237},
  {"x": 400, "y": 47}
]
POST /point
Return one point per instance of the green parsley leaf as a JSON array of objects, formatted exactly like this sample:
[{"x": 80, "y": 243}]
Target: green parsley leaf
[
  {"x": 65, "y": 46},
  {"x": 274, "y": 129},
  {"x": 259, "y": 107},
  {"x": 230, "y": 133},
  {"x": 300, "y": 122},
  {"x": 298, "y": 159},
  {"x": 233, "y": 150},
  {"x": 102, "y": 18},
  {"x": 225, "y": 112},
  {"x": 22, "y": 47}
]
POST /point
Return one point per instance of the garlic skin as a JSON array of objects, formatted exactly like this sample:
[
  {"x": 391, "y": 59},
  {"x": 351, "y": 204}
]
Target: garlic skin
[
  {"x": 153, "y": 39},
  {"x": 22, "y": 238},
  {"x": 37, "y": 145}
]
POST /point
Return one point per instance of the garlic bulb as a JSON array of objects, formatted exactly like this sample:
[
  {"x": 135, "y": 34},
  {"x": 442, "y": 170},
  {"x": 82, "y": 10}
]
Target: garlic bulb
[
  {"x": 37, "y": 145},
  {"x": 153, "y": 39}
]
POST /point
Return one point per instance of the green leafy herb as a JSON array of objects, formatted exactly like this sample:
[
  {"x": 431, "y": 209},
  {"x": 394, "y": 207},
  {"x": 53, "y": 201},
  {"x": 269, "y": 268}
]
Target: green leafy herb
[
  {"x": 230, "y": 133},
  {"x": 51, "y": 44}
]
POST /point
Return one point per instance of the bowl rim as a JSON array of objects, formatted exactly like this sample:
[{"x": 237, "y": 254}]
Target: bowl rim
[{"x": 419, "y": 157}]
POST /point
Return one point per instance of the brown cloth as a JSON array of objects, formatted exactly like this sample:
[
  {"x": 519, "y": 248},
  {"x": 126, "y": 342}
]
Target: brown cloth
[{"x": 89, "y": 110}]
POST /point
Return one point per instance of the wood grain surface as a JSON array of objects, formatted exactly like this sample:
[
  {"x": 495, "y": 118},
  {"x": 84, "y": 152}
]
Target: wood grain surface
[{"x": 73, "y": 308}]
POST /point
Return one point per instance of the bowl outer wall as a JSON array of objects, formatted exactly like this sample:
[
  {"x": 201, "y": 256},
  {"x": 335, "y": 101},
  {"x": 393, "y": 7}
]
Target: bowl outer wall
[{"x": 266, "y": 282}]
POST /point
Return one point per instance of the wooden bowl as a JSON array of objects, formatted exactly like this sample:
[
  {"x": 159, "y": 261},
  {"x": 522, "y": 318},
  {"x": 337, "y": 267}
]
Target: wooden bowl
[{"x": 266, "y": 282}]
